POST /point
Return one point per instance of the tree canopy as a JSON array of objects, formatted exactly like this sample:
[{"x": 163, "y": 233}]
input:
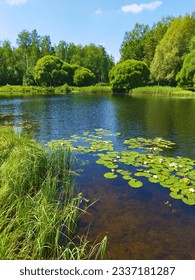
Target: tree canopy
[
  {"x": 17, "y": 63},
  {"x": 167, "y": 48},
  {"x": 129, "y": 74},
  {"x": 171, "y": 50},
  {"x": 48, "y": 71}
]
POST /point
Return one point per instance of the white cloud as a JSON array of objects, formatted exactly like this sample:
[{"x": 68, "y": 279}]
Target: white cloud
[
  {"x": 137, "y": 8},
  {"x": 98, "y": 12},
  {"x": 15, "y": 2}
]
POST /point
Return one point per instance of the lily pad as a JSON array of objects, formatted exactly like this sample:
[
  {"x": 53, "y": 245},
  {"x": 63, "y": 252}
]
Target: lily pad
[
  {"x": 175, "y": 195},
  {"x": 110, "y": 175},
  {"x": 135, "y": 183}
]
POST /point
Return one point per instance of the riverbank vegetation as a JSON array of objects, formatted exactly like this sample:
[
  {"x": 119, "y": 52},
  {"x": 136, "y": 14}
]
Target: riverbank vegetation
[
  {"x": 39, "y": 207},
  {"x": 162, "y": 90},
  {"x": 166, "y": 52}
]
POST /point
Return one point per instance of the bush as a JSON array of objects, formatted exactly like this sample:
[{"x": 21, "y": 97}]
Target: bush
[
  {"x": 84, "y": 77},
  {"x": 128, "y": 74}
]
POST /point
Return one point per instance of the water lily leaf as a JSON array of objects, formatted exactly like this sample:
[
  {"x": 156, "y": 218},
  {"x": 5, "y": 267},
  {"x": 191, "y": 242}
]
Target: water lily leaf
[
  {"x": 186, "y": 181},
  {"x": 110, "y": 175},
  {"x": 188, "y": 201},
  {"x": 175, "y": 195},
  {"x": 127, "y": 177},
  {"x": 191, "y": 175},
  {"x": 135, "y": 184},
  {"x": 111, "y": 166},
  {"x": 153, "y": 180}
]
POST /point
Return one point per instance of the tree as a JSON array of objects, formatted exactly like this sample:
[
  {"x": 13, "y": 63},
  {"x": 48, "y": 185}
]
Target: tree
[
  {"x": 186, "y": 77},
  {"x": 46, "y": 46},
  {"x": 48, "y": 71},
  {"x": 84, "y": 77},
  {"x": 170, "y": 52},
  {"x": 128, "y": 74},
  {"x": 153, "y": 38},
  {"x": 133, "y": 43},
  {"x": 61, "y": 50}
]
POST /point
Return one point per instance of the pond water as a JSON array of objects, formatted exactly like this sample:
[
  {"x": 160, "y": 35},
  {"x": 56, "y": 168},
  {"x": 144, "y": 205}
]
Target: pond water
[{"x": 143, "y": 223}]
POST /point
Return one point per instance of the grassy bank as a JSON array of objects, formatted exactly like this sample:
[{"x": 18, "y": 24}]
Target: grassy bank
[
  {"x": 92, "y": 89},
  {"x": 162, "y": 90},
  {"x": 35, "y": 90},
  {"x": 39, "y": 209},
  {"x": 9, "y": 90}
]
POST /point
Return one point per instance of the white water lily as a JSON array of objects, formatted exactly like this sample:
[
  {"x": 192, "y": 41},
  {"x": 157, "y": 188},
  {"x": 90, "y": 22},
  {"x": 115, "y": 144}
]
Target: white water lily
[
  {"x": 192, "y": 190},
  {"x": 172, "y": 164},
  {"x": 112, "y": 170},
  {"x": 155, "y": 176},
  {"x": 145, "y": 162}
]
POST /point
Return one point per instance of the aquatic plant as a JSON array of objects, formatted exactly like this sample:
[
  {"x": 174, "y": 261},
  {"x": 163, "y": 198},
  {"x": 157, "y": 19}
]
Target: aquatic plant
[
  {"x": 39, "y": 208},
  {"x": 142, "y": 158}
]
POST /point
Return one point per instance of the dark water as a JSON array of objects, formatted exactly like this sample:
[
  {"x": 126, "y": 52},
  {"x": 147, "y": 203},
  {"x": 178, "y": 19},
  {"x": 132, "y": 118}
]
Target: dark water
[{"x": 138, "y": 223}]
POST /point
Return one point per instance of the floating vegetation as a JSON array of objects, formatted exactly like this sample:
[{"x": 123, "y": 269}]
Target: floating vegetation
[{"x": 143, "y": 158}]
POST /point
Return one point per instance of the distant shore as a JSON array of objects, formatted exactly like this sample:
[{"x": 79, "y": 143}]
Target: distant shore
[{"x": 10, "y": 90}]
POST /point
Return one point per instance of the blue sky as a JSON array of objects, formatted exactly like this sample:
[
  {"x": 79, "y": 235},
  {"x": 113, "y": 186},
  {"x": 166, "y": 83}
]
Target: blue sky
[{"x": 102, "y": 22}]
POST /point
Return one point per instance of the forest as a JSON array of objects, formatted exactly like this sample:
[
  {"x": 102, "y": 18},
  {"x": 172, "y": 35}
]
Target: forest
[{"x": 161, "y": 54}]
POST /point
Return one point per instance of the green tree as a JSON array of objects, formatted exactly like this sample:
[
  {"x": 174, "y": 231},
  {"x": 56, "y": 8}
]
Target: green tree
[
  {"x": 170, "y": 52},
  {"x": 98, "y": 61},
  {"x": 84, "y": 77},
  {"x": 48, "y": 71},
  {"x": 153, "y": 38},
  {"x": 129, "y": 74},
  {"x": 46, "y": 46},
  {"x": 61, "y": 50},
  {"x": 186, "y": 77},
  {"x": 133, "y": 43}
]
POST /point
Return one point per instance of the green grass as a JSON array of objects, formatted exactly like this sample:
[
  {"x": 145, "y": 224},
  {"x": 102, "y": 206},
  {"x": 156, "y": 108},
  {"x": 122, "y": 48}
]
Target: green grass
[
  {"x": 9, "y": 90},
  {"x": 92, "y": 89},
  {"x": 39, "y": 209},
  {"x": 162, "y": 90}
]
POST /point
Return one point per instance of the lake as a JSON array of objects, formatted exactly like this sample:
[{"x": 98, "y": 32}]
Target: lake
[{"x": 144, "y": 223}]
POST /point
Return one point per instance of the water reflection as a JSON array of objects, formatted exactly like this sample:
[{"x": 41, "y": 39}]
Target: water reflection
[{"x": 140, "y": 223}]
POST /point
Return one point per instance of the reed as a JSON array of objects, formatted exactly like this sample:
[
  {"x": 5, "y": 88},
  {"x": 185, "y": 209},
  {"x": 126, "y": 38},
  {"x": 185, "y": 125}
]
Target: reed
[
  {"x": 92, "y": 89},
  {"x": 39, "y": 209},
  {"x": 162, "y": 90}
]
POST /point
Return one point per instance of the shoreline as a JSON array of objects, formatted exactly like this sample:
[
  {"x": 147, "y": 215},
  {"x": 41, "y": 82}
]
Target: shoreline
[{"x": 24, "y": 91}]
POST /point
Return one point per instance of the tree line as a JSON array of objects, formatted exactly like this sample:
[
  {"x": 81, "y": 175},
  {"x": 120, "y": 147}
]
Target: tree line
[
  {"x": 35, "y": 58},
  {"x": 162, "y": 54},
  {"x": 166, "y": 50}
]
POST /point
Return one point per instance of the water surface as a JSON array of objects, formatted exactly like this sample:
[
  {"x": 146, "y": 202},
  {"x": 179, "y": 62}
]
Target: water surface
[{"x": 140, "y": 224}]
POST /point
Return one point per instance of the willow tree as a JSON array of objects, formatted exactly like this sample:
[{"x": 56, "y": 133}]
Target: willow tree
[{"x": 170, "y": 52}]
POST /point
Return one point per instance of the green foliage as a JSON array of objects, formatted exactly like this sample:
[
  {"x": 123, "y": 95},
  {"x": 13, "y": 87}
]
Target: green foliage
[
  {"x": 142, "y": 158},
  {"x": 38, "y": 208},
  {"x": 128, "y": 74},
  {"x": 186, "y": 77},
  {"x": 141, "y": 42},
  {"x": 162, "y": 90},
  {"x": 83, "y": 77},
  {"x": 48, "y": 71},
  {"x": 16, "y": 64},
  {"x": 170, "y": 52},
  {"x": 133, "y": 43}
]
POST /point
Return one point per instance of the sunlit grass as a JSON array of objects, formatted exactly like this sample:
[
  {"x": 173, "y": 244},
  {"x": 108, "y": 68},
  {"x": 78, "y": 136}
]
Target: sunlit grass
[
  {"x": 39, "y": 209},
  {"x": 162, "y": 90}
]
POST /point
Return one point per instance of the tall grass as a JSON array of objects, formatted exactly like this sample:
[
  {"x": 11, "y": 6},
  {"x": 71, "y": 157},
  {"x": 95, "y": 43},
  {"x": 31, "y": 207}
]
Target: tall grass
[
  {"x": 162, "y": 90},
  {"x": 92, "y": 89},
  {"x": 39, "y": 209}
]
